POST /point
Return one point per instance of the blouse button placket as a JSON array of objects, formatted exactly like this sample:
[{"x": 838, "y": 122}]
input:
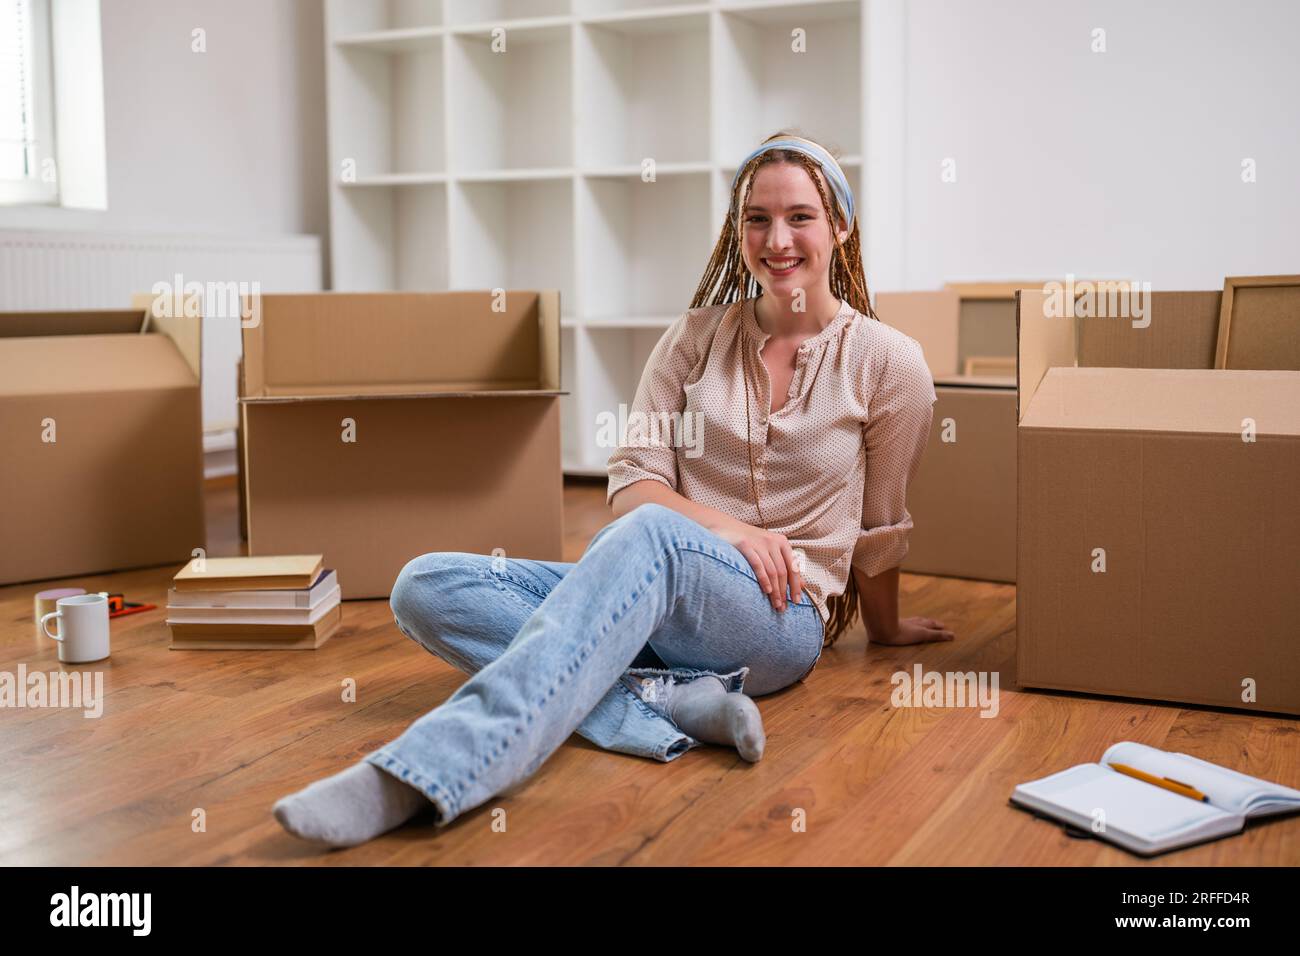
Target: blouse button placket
[
  {"x": 796, "y": 380},
  {"x": 763, "y": 408}
]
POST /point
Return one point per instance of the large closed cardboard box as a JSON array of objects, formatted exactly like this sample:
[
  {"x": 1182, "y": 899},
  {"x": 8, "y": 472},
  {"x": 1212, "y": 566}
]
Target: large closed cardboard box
[
  {"x": 962, "y": 500},
  {"x": 377, "y": 427},
  {"x": 1159, "y": 525},
  {"x": 102, "y": 421}
]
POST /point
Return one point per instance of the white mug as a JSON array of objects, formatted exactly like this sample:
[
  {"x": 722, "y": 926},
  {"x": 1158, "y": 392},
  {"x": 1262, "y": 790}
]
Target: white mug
[{"x": 82, "y": 623}]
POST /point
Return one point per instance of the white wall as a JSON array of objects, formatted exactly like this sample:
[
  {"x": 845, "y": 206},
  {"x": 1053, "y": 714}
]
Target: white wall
[
  {"x": 1121, "y": 164},
  {"x": 226, "y": 142}
]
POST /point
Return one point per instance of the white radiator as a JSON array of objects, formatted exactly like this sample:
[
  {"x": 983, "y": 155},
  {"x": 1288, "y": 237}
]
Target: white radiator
[{"x": 79, "y": 270}]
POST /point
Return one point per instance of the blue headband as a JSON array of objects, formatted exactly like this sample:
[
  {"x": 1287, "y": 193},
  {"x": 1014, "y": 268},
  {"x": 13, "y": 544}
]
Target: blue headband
[{"x": 830, "y": 169}]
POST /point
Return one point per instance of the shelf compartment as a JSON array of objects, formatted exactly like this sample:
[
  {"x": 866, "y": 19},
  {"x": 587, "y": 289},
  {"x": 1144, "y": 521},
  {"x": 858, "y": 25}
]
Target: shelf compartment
[
  {"x": 612, "y": 361},
  {"x": 392, "y": 238},
  {"x": 592, "y": 11},
  {"x": 514, "y": 235},
  {"x": 460, "y": 12},
  {"x": 643, "y": 245},
  {"x": 395, "y": 179},
  {"x": 660, "y": 322},
  {"x": 640, "y": 83},
  {"x": 349, "y": 18},
  {"x": 388, "y": 121},
  {"x": 513, "y": 108},
  {"x": 393, "y": 41},
  {"x": 764, "y": 85}
]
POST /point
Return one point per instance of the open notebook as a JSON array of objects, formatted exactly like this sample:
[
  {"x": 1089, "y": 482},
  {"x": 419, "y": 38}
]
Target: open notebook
[{"x": 1146, "y": 818}]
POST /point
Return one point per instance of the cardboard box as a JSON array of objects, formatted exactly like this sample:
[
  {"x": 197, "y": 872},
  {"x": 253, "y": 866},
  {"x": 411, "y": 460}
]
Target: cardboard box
[
  {"x": 986, "y": 323},
  {"x": 239, "y": 454},
  {"x": 963, "y": 500},
  {"x": 1158, "y": 548},
  {"x": 102, "y": 417},
  {"x": 378, "y": 427}
]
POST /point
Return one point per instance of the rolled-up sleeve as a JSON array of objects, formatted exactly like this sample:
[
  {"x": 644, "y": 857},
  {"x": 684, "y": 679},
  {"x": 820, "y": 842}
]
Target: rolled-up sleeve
[
  {"x": 648, "y": 452},
  {"x": 895, "y": 434}
]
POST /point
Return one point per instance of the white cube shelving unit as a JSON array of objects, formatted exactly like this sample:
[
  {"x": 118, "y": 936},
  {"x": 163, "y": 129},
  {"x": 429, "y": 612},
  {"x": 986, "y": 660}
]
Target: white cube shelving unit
[{"x": 593, "y": 154}]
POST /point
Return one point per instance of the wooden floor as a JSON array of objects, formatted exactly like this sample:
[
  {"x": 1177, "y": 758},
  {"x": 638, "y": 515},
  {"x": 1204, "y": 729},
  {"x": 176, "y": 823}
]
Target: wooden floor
[{"x": 228, "y": 733}]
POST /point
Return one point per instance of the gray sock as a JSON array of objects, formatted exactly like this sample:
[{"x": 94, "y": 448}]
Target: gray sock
[
  {"x": 350, "y": 807},
  {"x": 704, "y": 709}
]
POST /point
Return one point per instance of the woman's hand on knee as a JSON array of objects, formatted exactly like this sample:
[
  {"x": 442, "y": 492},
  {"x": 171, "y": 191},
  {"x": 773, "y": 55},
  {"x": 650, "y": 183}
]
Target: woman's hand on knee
[{"x": 775, "y": 564}]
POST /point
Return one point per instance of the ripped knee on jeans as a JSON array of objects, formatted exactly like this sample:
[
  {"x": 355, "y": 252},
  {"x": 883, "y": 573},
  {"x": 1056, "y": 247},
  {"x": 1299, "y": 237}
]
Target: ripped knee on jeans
[
  {"x": 654, "y": 686},
  {"x": 655, "y": 690}
]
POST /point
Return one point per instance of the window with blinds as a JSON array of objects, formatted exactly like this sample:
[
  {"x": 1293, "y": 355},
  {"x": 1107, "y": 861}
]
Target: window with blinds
[{"x": 27, "y": 170}]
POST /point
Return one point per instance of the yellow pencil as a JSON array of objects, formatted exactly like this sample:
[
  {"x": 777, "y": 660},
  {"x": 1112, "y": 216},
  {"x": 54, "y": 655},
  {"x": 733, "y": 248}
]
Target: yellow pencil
[{"x": 1174, "y": 785}]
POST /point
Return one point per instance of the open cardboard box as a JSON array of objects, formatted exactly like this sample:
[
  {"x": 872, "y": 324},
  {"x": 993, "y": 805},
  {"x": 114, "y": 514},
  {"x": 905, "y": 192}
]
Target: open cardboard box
[
  {"x": 102, "y": 415},
  {"x": 376, "y": 427},
  {"x": 1159, "y": 529},
  {"x": 963, "y": 499}
]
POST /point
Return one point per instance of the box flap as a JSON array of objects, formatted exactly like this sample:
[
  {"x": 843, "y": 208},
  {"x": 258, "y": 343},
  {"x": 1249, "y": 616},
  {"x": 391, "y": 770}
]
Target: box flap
[
  {"x": 928, "y": 317},
  {"x": 395, "y": 344},
  {"x": 88, "y": 322},
  {"x": 180, "y": 318},
  {"x": 548, "y": 352},
  {"x": 71, "y": 364},
  {"x": 1200, "y": 401},
  {"x": 1045, "y": 337},
  {"x": 1259, "y": 323},
  {"x": 1176, "y": 330}
]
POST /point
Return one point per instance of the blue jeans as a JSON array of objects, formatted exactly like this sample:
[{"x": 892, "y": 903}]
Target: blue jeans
[{"x": 595, "y": 646}]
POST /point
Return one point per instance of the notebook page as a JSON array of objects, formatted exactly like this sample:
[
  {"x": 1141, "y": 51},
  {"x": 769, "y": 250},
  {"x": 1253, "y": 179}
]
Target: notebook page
[
  {"x": 1145, "y": 811},
  {"x": 1265, "y": 797},
  {"x": 1226, "y": 788}
]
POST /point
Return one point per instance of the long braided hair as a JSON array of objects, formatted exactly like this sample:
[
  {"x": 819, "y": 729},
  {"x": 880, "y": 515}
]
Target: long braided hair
[{"x": 727, "y": 279}]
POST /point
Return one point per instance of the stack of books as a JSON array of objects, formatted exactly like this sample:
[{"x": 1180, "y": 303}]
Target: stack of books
[{"x": 281, "y": 602}]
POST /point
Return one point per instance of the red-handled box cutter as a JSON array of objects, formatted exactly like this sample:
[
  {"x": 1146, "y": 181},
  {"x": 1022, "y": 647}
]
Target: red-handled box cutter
[{"x": 118, "y": 607}]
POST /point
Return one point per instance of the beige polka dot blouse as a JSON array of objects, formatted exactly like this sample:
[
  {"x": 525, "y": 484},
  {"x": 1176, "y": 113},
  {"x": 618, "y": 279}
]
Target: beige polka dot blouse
[{"x": 832, "y": 464}]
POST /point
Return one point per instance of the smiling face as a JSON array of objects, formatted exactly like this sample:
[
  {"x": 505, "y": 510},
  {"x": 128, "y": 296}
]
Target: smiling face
[{"x": 784, "y": 221}]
